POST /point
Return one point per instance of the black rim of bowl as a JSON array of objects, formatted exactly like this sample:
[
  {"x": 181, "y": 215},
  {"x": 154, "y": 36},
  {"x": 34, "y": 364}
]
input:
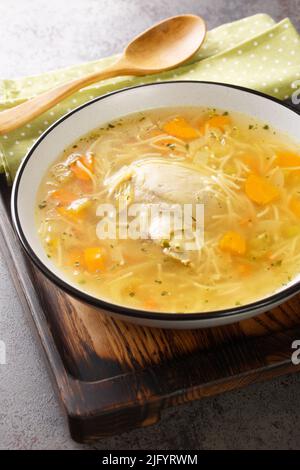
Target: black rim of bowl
[{"x": 250, "y": 308}]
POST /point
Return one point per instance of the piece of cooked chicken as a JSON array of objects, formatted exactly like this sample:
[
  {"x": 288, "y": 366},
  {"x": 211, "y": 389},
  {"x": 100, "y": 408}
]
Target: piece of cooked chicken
[{"x": 161, "y": 182}]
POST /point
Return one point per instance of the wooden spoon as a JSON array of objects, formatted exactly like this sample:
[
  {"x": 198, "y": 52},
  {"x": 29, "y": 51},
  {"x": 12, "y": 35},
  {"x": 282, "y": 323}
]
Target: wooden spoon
[{"x": 162, "y": 47}]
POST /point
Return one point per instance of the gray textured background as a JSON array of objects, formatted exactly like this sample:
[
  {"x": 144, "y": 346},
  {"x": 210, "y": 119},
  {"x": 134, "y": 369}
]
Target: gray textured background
[{"x": 39, "y": 35}]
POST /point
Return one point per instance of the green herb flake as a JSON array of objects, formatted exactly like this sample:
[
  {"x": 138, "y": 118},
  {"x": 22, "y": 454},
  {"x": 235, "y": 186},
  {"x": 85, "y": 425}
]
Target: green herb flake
[
  {"x": 277, "y": 263},
  {"x": 43, "y": 204}
]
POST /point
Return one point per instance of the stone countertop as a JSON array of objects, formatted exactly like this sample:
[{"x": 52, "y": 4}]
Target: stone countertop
[{"x": 40, "y": 35}]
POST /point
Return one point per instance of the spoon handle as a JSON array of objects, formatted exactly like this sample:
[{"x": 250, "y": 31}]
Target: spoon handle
[{"x": 16, "y": 117}]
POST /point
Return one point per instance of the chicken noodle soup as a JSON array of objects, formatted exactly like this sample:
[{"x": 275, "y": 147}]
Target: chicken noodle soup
[{"x": 245, "y": 174}]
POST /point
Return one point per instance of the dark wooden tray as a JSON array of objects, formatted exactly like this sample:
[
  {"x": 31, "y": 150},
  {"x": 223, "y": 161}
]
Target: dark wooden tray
[{"x": 112, "y": 377}]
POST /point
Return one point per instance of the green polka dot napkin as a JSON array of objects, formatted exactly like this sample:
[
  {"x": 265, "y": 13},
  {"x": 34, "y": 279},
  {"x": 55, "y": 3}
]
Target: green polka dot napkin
[{"x": 254, "y": 52}]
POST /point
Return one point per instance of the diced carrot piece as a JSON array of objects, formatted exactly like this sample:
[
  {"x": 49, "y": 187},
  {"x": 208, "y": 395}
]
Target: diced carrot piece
[
  {"x": 94, "y": 258},
  {"x": 219, "y": 122},
  {"x": 80, "y": 164},
  {"x": 260, "y": 190},
  {"x": 295, "y": 206},
  {"x": 63, "y": 196},
  {"x": 287, "y": 159},
  {"x": 75, "y": 256},
  {"x": 233, "y": 243},
  {"x": 79, "y": 172},
  {"x": 179, "y": 127}
]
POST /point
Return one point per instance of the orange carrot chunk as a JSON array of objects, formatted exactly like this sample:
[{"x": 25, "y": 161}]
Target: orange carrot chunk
[
  {"x": 287, "y": 159},
  {"x": 233, "y": 243},
  {"x": 260, "y": 190},
  {"x": 179, "y": 127},
  {"x": 295, "y": 206},
  {"x": 94, "y": 258},
  {"x": 219, "y": 122}
]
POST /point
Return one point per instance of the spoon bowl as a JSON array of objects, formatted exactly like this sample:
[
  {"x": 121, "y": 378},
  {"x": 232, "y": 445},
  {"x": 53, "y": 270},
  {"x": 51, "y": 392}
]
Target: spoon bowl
[{"x": 166, "y": 44}]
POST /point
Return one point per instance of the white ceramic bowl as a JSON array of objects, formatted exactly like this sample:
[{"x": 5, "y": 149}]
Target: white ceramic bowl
[{"x": 107, "y": 108}]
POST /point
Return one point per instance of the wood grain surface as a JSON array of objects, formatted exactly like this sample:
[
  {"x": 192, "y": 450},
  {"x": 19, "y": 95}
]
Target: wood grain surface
[{"x": 113, "y": 376}]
